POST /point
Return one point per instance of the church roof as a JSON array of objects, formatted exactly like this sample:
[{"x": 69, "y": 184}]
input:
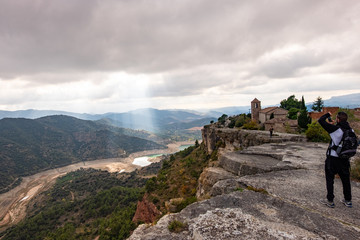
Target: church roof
[
  {"x": 276, "y": 110},
  {"x": 255, "y": 100},
  {"x": 281, "y": 111},
  {"x": 268, "y": 109}
]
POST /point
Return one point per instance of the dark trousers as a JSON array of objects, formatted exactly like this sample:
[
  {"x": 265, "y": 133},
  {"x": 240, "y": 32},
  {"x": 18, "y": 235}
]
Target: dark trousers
[{"x": 334, "y": 165}]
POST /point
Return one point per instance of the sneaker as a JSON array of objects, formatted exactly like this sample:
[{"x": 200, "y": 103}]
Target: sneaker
[
  {"x": 347, "y": 203},
  {"x": 327, "y": 203}
]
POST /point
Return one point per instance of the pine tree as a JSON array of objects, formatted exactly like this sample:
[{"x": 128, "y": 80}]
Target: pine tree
[
  {"x": 303, "y": 106},
  {"x": 304, "y": 119},
  {"x": 318, "y": 104}
]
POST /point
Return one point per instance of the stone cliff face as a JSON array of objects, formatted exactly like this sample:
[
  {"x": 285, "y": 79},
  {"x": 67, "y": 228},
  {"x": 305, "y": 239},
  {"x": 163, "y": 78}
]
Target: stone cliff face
[
  {"x": 268, "y": 191},
  {"x": 235, "y": 139}
]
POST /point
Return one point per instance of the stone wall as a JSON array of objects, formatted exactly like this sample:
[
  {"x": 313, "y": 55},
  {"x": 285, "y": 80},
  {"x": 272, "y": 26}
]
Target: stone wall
[
  {"x": 241, "y": 138},
  {"x": 317, "y": 115}
]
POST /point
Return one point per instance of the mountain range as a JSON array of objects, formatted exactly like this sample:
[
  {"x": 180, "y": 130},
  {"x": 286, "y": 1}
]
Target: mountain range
[
  {"x": 346, "y": 101},
  {"x": 148, "y": 119}
]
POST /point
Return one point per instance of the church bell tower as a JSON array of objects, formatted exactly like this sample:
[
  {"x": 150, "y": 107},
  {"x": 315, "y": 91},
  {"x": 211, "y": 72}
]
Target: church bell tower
[{"x": 255, "y": 109}]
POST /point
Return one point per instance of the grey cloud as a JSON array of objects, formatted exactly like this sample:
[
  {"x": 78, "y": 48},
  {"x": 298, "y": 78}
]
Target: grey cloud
[
  {"x": 153, "y": 36},
  {"x": 288, "y": 64},
  {"x": 196, "y": 46}
]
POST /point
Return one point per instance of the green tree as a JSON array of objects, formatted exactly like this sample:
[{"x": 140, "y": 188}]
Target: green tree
[
  {"x": 241, "y": 120},
  {"x": 304, "y": 119},
  {"x": 318, "y": 104},
  {"x": 252, "y": 125},
  {"x": 290, "y": 102},
  {"x": 222, "y": 118},
  {"x": 303, "y": 106},
  {"x": 315, "y": 133},
  {"x": 292, "y": 114},
  {"x": 232, "y": 122}
]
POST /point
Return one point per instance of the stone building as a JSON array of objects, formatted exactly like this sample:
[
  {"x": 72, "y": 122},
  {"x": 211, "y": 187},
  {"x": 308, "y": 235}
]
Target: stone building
[
  {"x": 283, "y": 125},
  {"x": 255, "y": 109},
  {"x": 272, "y": 112},
  {"x": 272, "y": 117},
  {"x": 262, "y": 115}
]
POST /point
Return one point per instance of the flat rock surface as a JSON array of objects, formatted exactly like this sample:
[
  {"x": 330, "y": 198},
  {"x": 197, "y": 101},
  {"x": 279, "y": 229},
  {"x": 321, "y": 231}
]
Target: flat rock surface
[{"x": 290, "y": 209}]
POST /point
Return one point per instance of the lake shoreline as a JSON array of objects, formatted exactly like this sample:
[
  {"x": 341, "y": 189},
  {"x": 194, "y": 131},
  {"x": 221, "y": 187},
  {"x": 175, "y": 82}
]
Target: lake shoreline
[{"x": 13, "y": 203}]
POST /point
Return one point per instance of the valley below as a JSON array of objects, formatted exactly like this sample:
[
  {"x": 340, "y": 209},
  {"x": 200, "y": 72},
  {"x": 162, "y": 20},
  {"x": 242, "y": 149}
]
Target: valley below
[{"x": 13, "y": 203}]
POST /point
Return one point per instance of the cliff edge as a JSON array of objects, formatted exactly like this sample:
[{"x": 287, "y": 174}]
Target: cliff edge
[{"x": 268, "y": 191}]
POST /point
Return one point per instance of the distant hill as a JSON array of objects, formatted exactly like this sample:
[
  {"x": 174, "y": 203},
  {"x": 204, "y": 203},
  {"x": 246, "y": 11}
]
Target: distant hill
[
  {"x": 28, "y": 146},
  {"x": 112, "y": 124},
  {"x": 33, "y": 114},
  {"x": 148, "y": 119},
  {"x": 345, "y": 101},
  {"x": 230, "y": 111}
]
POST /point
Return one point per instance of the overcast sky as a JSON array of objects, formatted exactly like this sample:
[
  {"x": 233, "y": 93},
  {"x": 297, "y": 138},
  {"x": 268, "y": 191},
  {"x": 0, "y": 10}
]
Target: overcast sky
[{"x": 101, "y": 56}]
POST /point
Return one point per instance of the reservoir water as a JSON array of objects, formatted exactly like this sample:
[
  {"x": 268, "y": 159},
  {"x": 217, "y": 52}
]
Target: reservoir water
[{"x": 144, "y": 160}]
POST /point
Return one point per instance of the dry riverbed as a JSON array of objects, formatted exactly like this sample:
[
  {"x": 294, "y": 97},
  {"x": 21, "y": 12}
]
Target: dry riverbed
[{"x": 13, "y": 204}]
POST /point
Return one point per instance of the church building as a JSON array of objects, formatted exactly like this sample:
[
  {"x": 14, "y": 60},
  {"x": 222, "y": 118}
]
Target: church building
[{"x": 262, "y": 115}]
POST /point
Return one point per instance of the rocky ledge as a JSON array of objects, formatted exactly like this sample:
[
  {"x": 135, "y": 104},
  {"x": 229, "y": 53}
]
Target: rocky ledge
[
  {"x": 270, "y": 191},
  {"x": 235, "y": 139}
]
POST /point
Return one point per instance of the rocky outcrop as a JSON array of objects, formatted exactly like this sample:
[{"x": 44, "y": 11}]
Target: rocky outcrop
[
  {"x": 235, "y": 139},
  {"x": 248, "y": 164},
  {"x": 146, "y": 211},
  {"x": 208, "y": 178},
  {"x": 248, "y": 215},
  {"x": 278, "y": 201}
]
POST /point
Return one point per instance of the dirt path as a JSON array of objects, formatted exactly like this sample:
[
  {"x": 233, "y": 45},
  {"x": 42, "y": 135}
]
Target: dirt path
[{"x": 13, "y": 204}]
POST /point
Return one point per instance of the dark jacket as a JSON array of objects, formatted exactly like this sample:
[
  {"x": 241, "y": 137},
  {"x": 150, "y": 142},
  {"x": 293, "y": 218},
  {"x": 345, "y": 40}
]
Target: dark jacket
[{"x": 335, "y": 132}]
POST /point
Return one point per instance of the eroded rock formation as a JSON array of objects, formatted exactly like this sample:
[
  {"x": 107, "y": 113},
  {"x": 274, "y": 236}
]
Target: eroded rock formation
[{"x": 146, "y": 211}]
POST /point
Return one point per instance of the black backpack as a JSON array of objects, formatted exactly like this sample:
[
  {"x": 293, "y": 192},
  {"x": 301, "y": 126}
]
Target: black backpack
[{"x": 348, "y": 144}]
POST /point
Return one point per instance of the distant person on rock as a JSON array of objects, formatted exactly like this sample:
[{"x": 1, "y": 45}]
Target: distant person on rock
[
  {"x": 271, "y": 131},
  {"x": 333, "y": 163}
]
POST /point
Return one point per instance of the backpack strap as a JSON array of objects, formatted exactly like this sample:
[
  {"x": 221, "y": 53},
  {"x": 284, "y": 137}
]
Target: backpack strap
[
  {"x": 337, "y": 148},
  {"x": 328, "y": 152}
]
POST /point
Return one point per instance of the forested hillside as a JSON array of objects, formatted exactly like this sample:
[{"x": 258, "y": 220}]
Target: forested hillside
[
  {"x": 178, "y": 178},
  {"x": 83, "y": 205},
  {"x": 29, "y": 146}
]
